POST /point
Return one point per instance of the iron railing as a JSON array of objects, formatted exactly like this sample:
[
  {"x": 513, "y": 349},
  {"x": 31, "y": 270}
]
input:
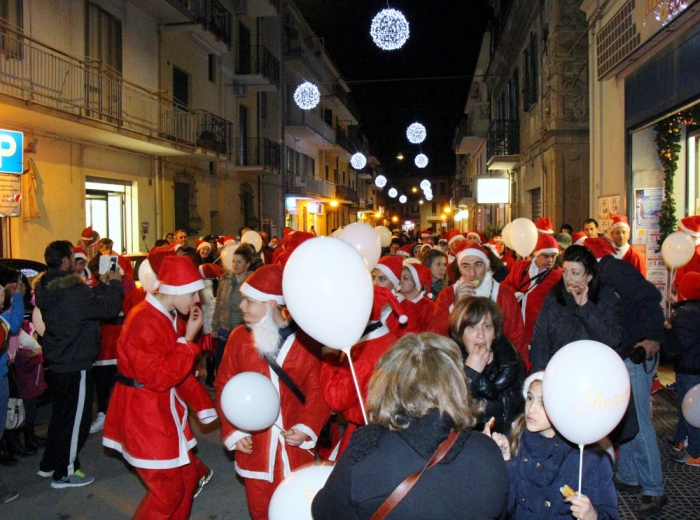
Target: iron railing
[
  {"x": 214, "y": 132},
  {"x": 214, "y": 18},
  {"x": 258, "y": 151},
  {"x": 346, "y": 194},
  {"x": 342, "y": 139},
  {"x": 306, "y": 185},
  {"x": 503, "y": 138},
  {"x": 311, "y": 51},
  {"x": 308, "y": 118},
  {"x": 258, "y": 60}
]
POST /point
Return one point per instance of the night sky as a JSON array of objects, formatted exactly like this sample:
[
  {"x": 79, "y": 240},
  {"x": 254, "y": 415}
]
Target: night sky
[{"x": 445, "y": 37}]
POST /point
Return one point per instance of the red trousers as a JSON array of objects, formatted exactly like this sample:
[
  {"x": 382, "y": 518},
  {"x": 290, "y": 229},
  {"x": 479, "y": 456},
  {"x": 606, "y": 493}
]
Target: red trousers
[
  {"x": 259, "y": 492},
  {"x": 170, "y": 491}
]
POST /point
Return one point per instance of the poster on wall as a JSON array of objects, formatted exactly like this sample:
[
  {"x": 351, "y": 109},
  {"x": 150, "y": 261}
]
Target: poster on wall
[
  {"x": 10, "y": 195},
  {"x": 608, "y": 207},
  {"x": 646, "y": 233}
]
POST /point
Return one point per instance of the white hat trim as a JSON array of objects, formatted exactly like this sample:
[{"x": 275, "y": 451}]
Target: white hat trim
[
  {"x": 619, "y": 224},
  {"x": 414, "y": 274},
  {"x": 547, "y": 251},
  {"x": 256, "y": 294},
  {"x": 537, "y": 376},
  {"x": 80, "y": 255},
  {"x": 385, "y": 269},
  {"x": 580, "y": 241},
  {"x": 455, "y": 239},
  {"x": 470, "y": 251},
  {"x": 176, "y": 290},
  {"x": 692, "y": 233}
]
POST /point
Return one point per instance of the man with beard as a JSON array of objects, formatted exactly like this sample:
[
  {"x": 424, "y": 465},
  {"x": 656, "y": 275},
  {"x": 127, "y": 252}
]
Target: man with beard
[{"x": 270, "y": 344}]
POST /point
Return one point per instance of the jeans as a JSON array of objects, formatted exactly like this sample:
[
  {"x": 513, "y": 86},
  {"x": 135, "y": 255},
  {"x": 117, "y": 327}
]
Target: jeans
[
  {"x": 640, "y": 460},
  {"x": 684, "y": 382}
]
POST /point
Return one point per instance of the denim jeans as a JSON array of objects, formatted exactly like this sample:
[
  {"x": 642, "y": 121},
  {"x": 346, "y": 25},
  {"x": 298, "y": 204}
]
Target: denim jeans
[
  {"x": 684, "y": 382},
  {"x": 640, "y": 460}
]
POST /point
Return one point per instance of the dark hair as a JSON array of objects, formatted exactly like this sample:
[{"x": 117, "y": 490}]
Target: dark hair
[
  {"x": 495, "y": 261},
  {"x": 590, "y": 221},
  {"x": 56, "y": 251},
  {"x": 584, "y": 256},
  {"x": 161, "y": 242},
  {"x": 568, "y": 228},
  {"x": 246, "y": 251},
  {"x": 105, "y": 242},
  {"x": 430, "y": 257},
  {"x": 470, "y": 311},
  {"x": 395, "y": 240}
]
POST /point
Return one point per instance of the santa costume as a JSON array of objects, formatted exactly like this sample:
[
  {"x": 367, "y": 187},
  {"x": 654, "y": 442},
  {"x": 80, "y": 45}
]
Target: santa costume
[
  {"x": 147, "y": 418},
  {"x": 302, "y": 408},
  {"x": 627, "y": 252},
  {"x": 690, "y": 226},
  {"x": 421, "y": 276},
  {"x": 392, "y": 266}
]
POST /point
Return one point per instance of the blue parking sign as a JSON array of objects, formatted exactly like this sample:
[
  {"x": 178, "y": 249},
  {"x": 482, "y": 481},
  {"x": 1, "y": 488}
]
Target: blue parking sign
[{"x": 11, "y": 151}]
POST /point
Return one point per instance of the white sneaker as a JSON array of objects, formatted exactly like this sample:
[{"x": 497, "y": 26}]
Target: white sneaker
[{"x": 98, "y": 423}]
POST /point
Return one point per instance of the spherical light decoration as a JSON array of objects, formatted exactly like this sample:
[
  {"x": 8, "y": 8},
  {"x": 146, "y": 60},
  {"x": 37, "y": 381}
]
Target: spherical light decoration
[
  {"x": 358, "y": 161},
  {"x": 380, "y": 181},
  {"x": 416, "y": 133},
  {"x": 428, "y": 192},
  {"x": 425, "y": 184},
  {"x": 389, "y": 29},
  {"x": 421, "y": 160},
  {"x": 307, "y": 96},
  {"x": 403, "y": 199},
  {"x": 393, "y": 193},
  {"x": 429, "y": 196}
]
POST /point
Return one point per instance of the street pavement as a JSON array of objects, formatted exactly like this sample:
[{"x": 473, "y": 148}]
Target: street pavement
[{"x": 117, "y": 489}]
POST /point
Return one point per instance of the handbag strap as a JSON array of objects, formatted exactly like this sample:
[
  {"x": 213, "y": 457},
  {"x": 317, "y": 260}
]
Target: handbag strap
[
  {"x": 402, "y": 489},
  {"x": 286, "y": 379}
]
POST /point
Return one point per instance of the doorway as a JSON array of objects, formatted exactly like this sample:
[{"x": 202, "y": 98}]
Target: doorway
[{"x": 108, "y": 211}]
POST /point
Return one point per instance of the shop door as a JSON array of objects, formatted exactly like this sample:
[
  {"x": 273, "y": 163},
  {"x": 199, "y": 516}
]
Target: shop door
[{"x": 105, "y": 211}]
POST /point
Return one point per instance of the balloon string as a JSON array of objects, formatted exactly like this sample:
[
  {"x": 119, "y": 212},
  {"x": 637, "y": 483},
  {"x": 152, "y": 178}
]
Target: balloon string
[
  {"x": 280, "y": 428},
  {"x": 357, "y": 387},
  {"x": 580, "y": 469},
  {"x": 669, "y": 288}
]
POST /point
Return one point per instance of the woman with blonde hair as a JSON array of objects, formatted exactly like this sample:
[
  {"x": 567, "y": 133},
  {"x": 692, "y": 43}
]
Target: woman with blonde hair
[{"x": 418, "y": 402}]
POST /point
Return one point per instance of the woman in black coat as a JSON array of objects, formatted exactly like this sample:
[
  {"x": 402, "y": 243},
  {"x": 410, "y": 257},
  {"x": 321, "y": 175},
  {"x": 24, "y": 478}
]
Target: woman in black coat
[
  {"x": 578, "y": 307},
  {"x": 417, "y": 396},
  {"x": 495, "y": 370}
]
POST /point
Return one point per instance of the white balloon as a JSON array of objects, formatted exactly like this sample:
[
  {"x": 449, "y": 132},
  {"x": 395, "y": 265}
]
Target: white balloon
[
  {"x": 365, "y": 241},
  {"x": 292, "y": 498},
  {"x": 147, "y": 276},
  {"x": 677, "y": 249},
  {"x": 505, "y": 235},
  {"x": 337, "y": 232},
  {"x": 327, "y": 287},
  {"x": 586, "y": 390},
  {"x": 384, "y": 234},
  {"x": 523, "y": 235},
  {"x": 252, "y": 238},
  {"x": 226, "y": 256},
  {"x": 250, "y": 401},
  {"x": 691, "y": 406}
]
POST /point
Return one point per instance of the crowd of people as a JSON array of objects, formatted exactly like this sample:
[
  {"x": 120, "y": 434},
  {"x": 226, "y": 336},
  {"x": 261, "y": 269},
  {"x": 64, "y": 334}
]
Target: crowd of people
[{"x": 458, "y": 322}]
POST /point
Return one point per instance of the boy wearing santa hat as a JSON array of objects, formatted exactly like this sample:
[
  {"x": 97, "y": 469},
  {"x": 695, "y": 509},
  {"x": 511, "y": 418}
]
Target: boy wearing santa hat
[{"x": 270, "y": 344}]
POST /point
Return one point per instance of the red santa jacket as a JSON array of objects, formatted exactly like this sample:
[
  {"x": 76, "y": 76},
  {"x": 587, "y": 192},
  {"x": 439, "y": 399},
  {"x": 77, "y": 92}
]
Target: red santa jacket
[
  {"x": 691, "y": 267},
  {"x": 426, "y": 309},
  {"x": 148, "y": 425},
  {"x": 532, "y": 299},
  {"x": 298, "y": 357},
  {"x": 503, "y": 296},
  {"x": 338, "y": 384},
  {"x": 413, "y": 325},
  {"x": 109, "y": 332},
  {"x": 631, "y": 256}
]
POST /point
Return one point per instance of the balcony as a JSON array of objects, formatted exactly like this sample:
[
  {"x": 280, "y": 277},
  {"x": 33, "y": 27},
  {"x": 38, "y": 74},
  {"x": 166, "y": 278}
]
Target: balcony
[
  {"x": 346, "y": 195},
  {"x": 503, "y": 144},
  {"x": 471, "y": 131},
  {"x": 305, "y": 57},
  {"x": 167, "y": 11},
  {"x": 462, "y": 195},
  {"x": 44, "y": 88},
  {"x": 257, "y": 154},
  {"x": 339, "y": 100},
  {"x": 258, "y": 68},
  {"x": 259, "y": 8},
  {"x": 216, "y": 22},
  {"x": 214, "y": 133},
  {"x": 304, "y": 186},
  {"x": 307, "y": 125}
]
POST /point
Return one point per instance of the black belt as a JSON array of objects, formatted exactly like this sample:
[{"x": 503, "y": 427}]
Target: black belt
[{"x": 128, "y": 381}]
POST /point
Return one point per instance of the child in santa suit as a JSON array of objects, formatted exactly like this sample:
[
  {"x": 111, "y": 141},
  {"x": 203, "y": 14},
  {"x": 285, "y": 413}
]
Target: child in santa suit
[
  {"x": 147, "y": 418},
  {"x": 270, "y": 339},
  {"x": 387, "y": 274},
  {"x": 415, "y": 277},
  {"x": 336, "y": 377}
]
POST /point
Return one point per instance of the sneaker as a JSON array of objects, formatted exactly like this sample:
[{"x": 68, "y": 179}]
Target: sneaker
[
  {"x": 98, "y": 423},
  {"x": 675, "y": 445},
  {"x": 623, "y": 487},
  {"x": 77, "y": 479},
  {"x": 651, "y": 505},
  {"x": 203, "y": 482},
  {"x": 45, "y": 474},
  {"x": 685, "y": 458}
]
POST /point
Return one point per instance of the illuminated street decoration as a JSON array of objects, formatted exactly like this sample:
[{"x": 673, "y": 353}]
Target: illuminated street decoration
[
  {"x": 421, "y": 160},
  {"x": 425, "y": 184},
  {"x": 389, "y": 29},
  {"x": 416, "y": 133},
  {"x": 358, "y": 161},
  {"x": 307, "y": 96},
  {"x": 380, "y": 181},
  {"x": 393, "y": 193},
  {"x": 403, "y": 199}
]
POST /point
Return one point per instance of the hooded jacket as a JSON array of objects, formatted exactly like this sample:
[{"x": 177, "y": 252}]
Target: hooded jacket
[{"x": 71, "y": 311}]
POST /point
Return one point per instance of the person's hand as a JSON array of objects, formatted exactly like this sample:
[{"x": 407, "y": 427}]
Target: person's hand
[
  {"x": 503, "y": 444},
  {"x": 478, "y": 358},
  {"x": 582, "y": 508},
  {"x": 194, "y": 322},
  {"x": 652, "y": 347},
  {"x": 294, "y": 437},
  {"x": 326, "y": 351},
  {"x": 579, "y": 291},
  {"x": 245, "y": 445},
  {"x": 18, "y": 287},
  {"x": 464, "y": 289}
]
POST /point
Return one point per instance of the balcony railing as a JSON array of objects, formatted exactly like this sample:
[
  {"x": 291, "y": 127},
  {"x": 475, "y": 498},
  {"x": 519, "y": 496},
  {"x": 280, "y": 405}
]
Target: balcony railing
[
  {"x": 311, "y": 50},
  {"x": 311, "y": 120},
  {"x": 258, "y": 60},
  {"x": 346, "y": 194},
  {"x": 214, "y": 132},
  {"x": 214, "y": 18},
  {"x": 258, "y": 151},
  {"x": 306, "y": 185},
  {"x": 503, "y": 138},
  {"x": 342, "y": 139}
]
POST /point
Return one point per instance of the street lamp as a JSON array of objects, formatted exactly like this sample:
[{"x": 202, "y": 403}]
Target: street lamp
[{"x": 334, "y": 204}]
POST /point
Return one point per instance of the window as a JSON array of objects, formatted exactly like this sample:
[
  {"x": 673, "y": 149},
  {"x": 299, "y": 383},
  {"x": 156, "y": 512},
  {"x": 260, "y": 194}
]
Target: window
[
  {"x": 327, "y": 171},
  {"x": 103, "y": 39},
  {"x": 10, "y": 41},
  {"x": 263, "y": 105},
  {"x": 434, "y": 208},
  {"x": 536, "y": 203},
  {"x": 530, "y": 57},
  {"x": 512, "y": 98},
  {"x": 212, "y": 68}
]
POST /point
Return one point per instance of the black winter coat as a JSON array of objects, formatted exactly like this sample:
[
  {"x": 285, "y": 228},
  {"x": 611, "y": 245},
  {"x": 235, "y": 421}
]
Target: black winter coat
[
  {"x": 686, "y": 327},
  {"x": 470, "y": 482},
  {"x": 500, "y": 386},
  {"x": 71, "y": 312},
  {"x": 558, "y": 325}
]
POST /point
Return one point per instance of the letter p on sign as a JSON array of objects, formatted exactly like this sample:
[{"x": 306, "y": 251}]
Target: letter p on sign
[{"x": 11, "y": 151}]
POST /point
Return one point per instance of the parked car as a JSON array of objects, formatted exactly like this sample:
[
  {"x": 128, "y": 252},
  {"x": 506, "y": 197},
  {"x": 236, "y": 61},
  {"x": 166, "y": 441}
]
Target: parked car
[{"x": 12, "y": 268}]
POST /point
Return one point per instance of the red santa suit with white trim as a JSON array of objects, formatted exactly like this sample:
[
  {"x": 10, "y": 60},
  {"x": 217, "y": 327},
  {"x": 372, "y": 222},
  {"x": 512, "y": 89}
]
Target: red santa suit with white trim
[
  {"x": 273, "y": 456},
  {"x": 390, "y": 267},
  {"x": 690, "y": 226},
  {"x": 147, "y": 418}
]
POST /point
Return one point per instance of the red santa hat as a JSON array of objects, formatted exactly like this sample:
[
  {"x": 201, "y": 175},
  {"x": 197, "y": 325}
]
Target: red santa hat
[
  {"x": 544, "y": 225},
  {"x": 578, "y": 238},
  {"x": 287, "y": 246},
  {"x": 383, "y": 297},
  {"x": 412, "y": 260},
  {"x": 689, "y": 288},
  {"x": 453, "y": 236},
  {"x": 178, "y": 275},
  {"x": 87, "y": 233},
  {"x": 691, "y": 226},
  {"x": 426, "y": 234},
  {"x": 620, "y": 221},
  {"x": 202, "y": 243},
  {"x": 391, "y": 266},
  {"x": 477, "y": 234},
  {"x": 546, "y": 245},
  {"x": 473, "y": 250},
  {"x": 228, "y": 239},
  {"x": 265, "y": 284},
  {"x": 79, "y": 253},
  {"x": 421, "y": 275},
  {"x": 156, "y": 256},
  {"x": 210, "y": 271},
  {"x": 600, "y": 247},
  {"x": 287, "y": 231},
  {"x": 406, "y": 250}
]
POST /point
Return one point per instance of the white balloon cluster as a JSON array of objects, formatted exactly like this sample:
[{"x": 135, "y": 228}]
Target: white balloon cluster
[
  {"x": 307, "y": 96},
  {"x": 380, "y": 181},
  {"x": 389, "y": 29},
  {"x": 358, "y": 161},
  {"x": 416, "y": 133},
  {"x": 421, "y": 160}
]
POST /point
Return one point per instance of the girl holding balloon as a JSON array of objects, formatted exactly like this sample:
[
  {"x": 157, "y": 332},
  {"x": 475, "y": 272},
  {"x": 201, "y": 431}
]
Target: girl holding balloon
[{"x": 543, "y": 466}]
